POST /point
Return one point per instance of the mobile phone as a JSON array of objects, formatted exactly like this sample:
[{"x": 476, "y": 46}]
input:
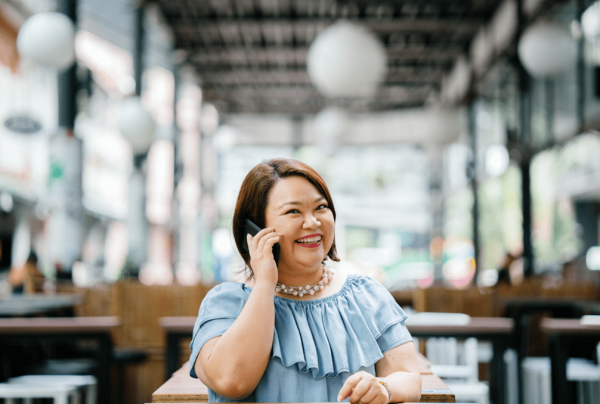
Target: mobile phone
[{"x": 251, "y": 228}]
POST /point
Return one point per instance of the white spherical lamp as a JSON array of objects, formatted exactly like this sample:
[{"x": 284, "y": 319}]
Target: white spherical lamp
[
  {"x": 209, "y": 119},
  {"x": 346, "y": 60},
  {"x": 497, "y": 160},
  {"x": 330, "y": 124},
  {"x": 136, "y": 124},
  {"x": 225, "y": 138},
  {"x": 590, "y": 21},
  {"x": 546, "y": 49},
  {"x": 49, "y": 39}
]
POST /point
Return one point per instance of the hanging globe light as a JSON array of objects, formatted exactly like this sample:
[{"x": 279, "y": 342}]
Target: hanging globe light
[
  {"x": 136, "y": 124},
  {"x": 225, "y": 138},
  {"x": 546, "y": 49},
  {"x": 590, "y": 21},
  {"x": 346, "y": 60},
  {"x": 497, "y": 160},
  {"x": 209, "y": 118},
  {"x": 49, "y": 39},
  {"x": 330, "y": 124}
]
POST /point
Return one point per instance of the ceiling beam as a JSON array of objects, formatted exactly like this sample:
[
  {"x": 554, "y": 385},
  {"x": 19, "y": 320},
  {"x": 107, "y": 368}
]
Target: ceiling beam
[
  {"x": 255, "y": 56},
  {"x": 274, "y": 95},
  {"x": 188, "y": 24},
  {"x": 309, "y": 108},
  {"x": 243, "y": 76}
]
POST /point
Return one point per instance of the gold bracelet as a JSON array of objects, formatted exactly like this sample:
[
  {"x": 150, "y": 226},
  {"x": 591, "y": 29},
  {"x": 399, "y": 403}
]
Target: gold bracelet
[{"x": 387, "y": 387}]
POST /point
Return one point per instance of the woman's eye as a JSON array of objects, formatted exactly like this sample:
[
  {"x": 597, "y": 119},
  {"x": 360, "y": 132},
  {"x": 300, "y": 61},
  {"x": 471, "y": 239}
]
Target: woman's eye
[
  {"x": 293, "y": 211},
  {"x": 322, "y": 206}
]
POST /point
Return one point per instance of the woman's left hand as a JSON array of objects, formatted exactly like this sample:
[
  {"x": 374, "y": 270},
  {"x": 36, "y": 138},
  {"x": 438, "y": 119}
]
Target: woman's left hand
[{"x": 364, "y": 388}]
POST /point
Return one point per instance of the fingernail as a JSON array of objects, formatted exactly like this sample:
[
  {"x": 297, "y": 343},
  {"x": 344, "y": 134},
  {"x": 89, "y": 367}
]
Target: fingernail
[{"x": 339, "y": 398}]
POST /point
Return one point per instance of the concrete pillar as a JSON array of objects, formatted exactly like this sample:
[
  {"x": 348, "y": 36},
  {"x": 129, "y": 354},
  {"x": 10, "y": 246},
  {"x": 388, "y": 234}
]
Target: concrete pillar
[
  {"x": 65, "y": 224},
  {"x": 472, "y": 176},
  {"x": 137, "y": 225},
  {"x": 187, "y": 193},
  {"x": 435, "y": 154}
]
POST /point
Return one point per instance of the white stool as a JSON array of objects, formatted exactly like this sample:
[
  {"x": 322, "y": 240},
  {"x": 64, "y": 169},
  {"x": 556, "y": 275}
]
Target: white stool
[
  {"x": 587, "y": 375},
  {"x": 471, "y": 392},
  {"x": 88, "y": 383},
  {"x": 538, "y": 383},
  {"x": 60, "y": 394},
  {"x": 462, "y": 379}
]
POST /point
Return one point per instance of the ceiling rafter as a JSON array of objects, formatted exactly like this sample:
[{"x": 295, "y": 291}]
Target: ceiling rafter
[
  {"x": 239, "y": 77},
  {"x": 307, "y": 92},
  {"x": 304, "y": 108},
  {"x": 240, "y": 56},
  {"x": 380, "y": 26}
]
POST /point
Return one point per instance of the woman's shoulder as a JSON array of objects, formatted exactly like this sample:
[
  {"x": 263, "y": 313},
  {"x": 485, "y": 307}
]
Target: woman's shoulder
[
  {"x": 372, "y": 296},
  {"x": 226, "y": 297},
  {"x": 365, "y": 283},
  {"x": 227, "y": 291},
  {"x": 227, "y": 288}
]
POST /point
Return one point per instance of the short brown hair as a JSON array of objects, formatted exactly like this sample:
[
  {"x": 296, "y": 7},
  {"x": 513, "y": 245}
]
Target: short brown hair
[{"x": 254, "y": 196}]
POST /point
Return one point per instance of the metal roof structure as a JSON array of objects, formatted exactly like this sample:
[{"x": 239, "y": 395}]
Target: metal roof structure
[{"x": 250, "y": 55}]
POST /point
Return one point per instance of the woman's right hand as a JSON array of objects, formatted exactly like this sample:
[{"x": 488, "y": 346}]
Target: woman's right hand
[{"x": 261, "y": 255}]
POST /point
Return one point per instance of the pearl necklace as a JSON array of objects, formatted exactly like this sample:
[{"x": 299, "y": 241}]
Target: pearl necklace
[{"x": 300, "y": 291}]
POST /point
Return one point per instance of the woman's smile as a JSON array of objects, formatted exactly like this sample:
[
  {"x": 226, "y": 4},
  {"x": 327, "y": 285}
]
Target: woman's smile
[{"x": 312, "y": 241}]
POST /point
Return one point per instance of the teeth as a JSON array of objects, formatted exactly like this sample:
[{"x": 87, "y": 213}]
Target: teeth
[{"x": 309, "y": 240}]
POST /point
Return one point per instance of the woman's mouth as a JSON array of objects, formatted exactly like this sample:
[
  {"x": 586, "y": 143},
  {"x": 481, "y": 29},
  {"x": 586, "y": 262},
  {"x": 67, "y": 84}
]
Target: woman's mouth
[{"x": 310, "y": 242}]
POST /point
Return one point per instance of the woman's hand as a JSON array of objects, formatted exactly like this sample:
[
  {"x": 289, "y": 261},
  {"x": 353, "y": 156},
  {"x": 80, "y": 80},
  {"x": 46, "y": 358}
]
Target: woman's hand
[
  {"x": 364, "y": 388},
  {"x": 261, "y": 255}
]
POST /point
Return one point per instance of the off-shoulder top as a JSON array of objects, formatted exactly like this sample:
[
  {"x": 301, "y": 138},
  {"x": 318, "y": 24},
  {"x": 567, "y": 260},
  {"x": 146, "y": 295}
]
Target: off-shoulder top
[{"x": 317, "y": 343}]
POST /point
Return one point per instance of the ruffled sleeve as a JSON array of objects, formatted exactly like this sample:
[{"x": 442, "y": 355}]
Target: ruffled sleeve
[
  {"x": 386, "y": 316},
  {"x": 344, "y": 332},
  {"x": 219, "y": 309}
]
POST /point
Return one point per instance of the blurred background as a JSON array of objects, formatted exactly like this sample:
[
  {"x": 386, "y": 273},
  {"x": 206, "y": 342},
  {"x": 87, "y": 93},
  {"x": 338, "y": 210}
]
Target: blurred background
[{"x": 458, "y": 139}]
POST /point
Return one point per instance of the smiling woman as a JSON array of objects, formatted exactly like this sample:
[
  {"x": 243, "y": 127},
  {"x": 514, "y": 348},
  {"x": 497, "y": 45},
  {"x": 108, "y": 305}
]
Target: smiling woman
[
  {"x": 262, "y": 193},
  {"x": 332, "y": 338}
]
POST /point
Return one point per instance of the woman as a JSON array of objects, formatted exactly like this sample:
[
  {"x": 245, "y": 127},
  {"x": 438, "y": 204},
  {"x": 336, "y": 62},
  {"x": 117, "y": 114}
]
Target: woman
[{"x": 295, "y": 332}]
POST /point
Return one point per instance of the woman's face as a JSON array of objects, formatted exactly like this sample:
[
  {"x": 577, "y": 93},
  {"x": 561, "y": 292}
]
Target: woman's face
[{"x": 297, "y": 210}]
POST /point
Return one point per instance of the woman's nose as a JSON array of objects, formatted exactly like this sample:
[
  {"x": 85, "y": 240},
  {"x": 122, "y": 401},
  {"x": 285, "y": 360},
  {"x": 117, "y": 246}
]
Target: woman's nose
[{"x": 311, "y": 222}]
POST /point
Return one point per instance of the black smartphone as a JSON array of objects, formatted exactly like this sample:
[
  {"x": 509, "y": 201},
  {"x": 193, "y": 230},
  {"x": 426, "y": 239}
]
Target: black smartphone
[{"x": 252, "y": 229}]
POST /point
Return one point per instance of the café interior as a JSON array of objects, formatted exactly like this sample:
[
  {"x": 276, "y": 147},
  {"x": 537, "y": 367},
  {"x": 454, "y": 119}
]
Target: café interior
[{"x": 459, "y": 140}]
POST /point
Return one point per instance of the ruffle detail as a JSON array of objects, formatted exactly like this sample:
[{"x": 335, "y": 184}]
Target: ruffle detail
[
  {"x": 339, "y": 333},
  {"x": 344, "y": 332}
]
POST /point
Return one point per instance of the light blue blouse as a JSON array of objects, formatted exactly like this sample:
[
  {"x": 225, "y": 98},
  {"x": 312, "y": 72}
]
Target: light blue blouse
[{"x": 317, "y": 343}]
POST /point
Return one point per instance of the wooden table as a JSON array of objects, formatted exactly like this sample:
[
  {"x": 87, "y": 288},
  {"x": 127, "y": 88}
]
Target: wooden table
[
  {"x": 176, "y": 329},
  {"x": 562, "y": 335},
  {"x": 97, "y": 329},
  {"x": 495, "y": 329},
  {"x": 522, "y": 310},
  {"x": 182, "y": 388},
  {"x": 27, "y": 305}
]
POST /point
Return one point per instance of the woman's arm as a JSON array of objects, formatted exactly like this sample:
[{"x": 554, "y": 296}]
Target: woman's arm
[
  {"x": 398, "y": 368},
  {"x": 233, "y": 364}
]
